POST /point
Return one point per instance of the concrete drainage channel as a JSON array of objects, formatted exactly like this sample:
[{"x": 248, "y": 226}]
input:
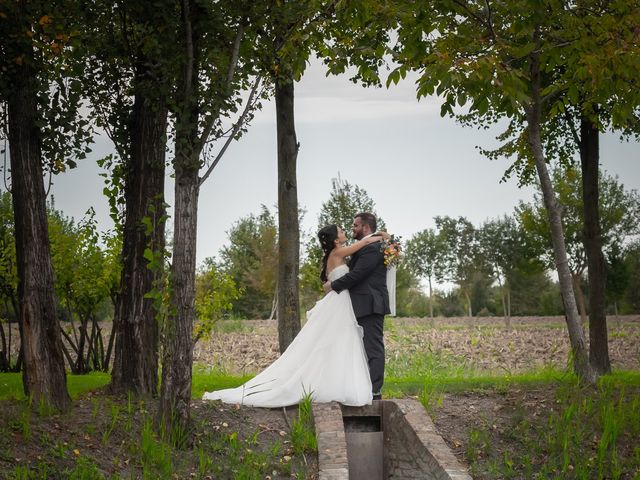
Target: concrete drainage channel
[{"x": 390, "y": 439}]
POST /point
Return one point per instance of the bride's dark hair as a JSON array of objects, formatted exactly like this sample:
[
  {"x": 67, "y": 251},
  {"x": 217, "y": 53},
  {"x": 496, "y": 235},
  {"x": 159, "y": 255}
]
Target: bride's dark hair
[{"x": 327, "y": 236}]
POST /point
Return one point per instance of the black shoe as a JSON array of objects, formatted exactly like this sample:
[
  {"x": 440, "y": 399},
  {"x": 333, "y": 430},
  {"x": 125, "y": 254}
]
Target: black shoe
[{"x": 377, "y": 396}]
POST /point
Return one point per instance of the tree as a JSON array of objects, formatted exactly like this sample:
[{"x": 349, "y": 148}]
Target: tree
[
  {"x": 462, "y": 258},
  {"x": 632, "y": 266},
  {"x": 86, "y": 271},
  {"x": 292, "y": 30},
  {"x": 410, "y": 300},
  {"x": 251, "y": 259},
  {"x": 216, "y": 60},
  {"x": 136, "y": 348},
  {"x": 288, "y": 226},
  {"x": 602, "y": 34},
  {"x": 345, "y": 201},
  {"x": 619, "y": 210},
  {"x": 8, "y": 281},
  {"x": 617, "y": 277},
  {"x": 533, "y": 292},
  {"x": 493, "y": 235},
  {"x": 341, "y": 32},
  {"x": 590, "y": 85},
  {"x": 426, "y": 253},
  {"x": 43, "y": 123},
  {"x": 506, "y": 248},
  {"x": 310, "y": 283},
  {"x": 215, "y": 293},
  {"x": 86, "y": 275},
  {"x": 483, "y": 45},
  {"x": 127, "y": 73}
]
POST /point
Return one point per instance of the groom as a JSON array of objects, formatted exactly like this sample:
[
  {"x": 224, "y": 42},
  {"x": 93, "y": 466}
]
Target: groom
[{"x": 367, "y": 285}]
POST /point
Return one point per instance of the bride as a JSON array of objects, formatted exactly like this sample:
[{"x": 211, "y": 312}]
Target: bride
[{"x": 327, "y": 359}]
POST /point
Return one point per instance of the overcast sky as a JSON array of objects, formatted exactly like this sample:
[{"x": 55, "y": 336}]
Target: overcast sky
[{"x": 413, "y": 163}]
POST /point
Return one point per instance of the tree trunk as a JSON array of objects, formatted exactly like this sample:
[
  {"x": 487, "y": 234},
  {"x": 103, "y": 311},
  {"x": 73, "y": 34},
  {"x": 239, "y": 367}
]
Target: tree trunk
[
  {"x": 107, "y": 355},
  {"x": 81, "y": 364},
  {"x": 507, "y": 313},
  {"x": 4, "y": 364},
  {"x": 9, "y": 333},
  {"x": 274, "y": 304},
  {"x": 92, "y": 348},
  {"x": 582, "y": 305},
  {"x": 289, "y": 232},
  {"x": 65, "y": 351},
  {"x": 504, "y": 307},
  {"x": 597, "y": 268},
  {"x": 174, "y": 414},
  {"x": 44, "y": 375},
  {"x": 581, "y": 363},
  {"x": 135, "y": 366},
  {"x": 507, "y": 317},
  {"x": 175, "y": 392},
  {"x": 468, "y": 298},
  {"x": 430, "y": 300}
]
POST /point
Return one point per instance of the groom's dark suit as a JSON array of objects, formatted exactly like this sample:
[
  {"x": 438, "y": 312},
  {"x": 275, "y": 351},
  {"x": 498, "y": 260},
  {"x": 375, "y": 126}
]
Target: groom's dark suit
[{"x": 367, "y": 285}]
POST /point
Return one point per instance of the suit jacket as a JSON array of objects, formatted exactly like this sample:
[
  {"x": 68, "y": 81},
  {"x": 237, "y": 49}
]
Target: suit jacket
[{"x": 366, "y": 282}]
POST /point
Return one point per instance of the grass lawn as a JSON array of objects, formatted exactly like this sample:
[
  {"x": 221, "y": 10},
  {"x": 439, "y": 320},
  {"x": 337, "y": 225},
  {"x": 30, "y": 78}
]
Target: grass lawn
[{"x": 11, "y": 384}]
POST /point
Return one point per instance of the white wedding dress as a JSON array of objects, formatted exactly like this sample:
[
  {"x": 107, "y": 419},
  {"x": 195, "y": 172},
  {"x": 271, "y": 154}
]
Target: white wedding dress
[{"x": 326, "y": 359}]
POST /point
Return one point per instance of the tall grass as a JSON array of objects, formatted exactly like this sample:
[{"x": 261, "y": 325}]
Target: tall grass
[
  {"x": 303, "y": 435},
  {"x": 155, "y": 454},
  {"x": 592, "y": 424},
  {"x": 588, "y": 433},
  {"x": 217, "y": 453}
]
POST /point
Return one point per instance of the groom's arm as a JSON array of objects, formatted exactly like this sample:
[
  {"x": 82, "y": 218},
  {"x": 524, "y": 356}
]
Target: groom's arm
[{"x": 367, "y": 262}]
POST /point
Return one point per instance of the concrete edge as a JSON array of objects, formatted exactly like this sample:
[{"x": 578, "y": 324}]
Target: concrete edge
[
  {"x": 333, "y": 463},
  {"x": 417, "y": 418}
]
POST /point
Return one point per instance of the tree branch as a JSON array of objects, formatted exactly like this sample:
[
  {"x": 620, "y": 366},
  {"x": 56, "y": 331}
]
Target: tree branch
[
  {"x": 572, "y": 127},
  {"x": 233, "y": 63},
  {"x": 234, "y": 56},
  {"x": 489, "y": 21},
  {"x": 235, "y": 130},
  {"x": 188, "y": 74},
  {"x": 323, "y": 14},
  {"x": 478, "y": 18}
]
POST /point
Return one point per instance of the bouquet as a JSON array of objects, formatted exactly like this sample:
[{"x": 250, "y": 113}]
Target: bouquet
[{"x": 392, "y": 251}]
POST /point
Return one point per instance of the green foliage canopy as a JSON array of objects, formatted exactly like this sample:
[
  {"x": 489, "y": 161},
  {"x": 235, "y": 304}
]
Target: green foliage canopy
[
  {"x": 216, "y": 291},
  {"x": 619, "y": 216},
  {"x": 251, "y": 259}
]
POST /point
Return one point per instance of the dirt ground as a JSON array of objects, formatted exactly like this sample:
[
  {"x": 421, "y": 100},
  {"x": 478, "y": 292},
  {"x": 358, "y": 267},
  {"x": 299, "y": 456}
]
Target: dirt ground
[
  {"x": 505, "y": 422},
  {"x": 108, "y": 433},
  {"x": 53, "y": 446},
  {"x": 108, "y": 430},
  {"x": 512, "y": 426},
  {"x": 482, "y": 343}
]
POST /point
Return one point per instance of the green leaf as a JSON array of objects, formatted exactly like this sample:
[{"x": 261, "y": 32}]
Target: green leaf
[{"x": 523, "y": 51}]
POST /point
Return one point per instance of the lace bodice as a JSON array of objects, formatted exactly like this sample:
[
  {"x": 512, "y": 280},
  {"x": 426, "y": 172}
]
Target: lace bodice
[{"x": 337, "y": 272}]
